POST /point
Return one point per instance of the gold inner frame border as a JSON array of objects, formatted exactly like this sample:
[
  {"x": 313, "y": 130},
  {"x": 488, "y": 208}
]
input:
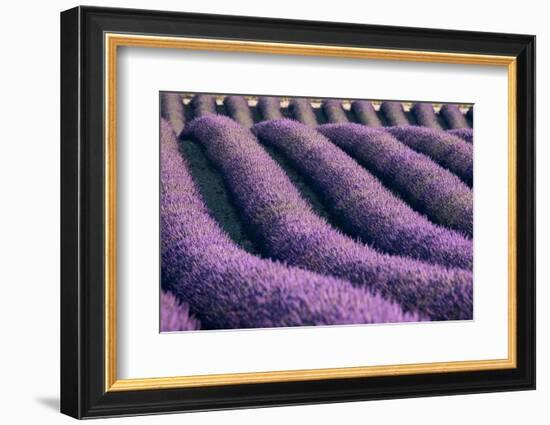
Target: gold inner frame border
[{"x": 114, "y": 40}]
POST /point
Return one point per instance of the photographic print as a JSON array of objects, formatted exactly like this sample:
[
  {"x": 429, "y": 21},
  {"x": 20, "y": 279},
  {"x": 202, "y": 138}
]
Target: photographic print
[
  {"x": 313, "y": 226},
  {"x": 303, "y": 211}
]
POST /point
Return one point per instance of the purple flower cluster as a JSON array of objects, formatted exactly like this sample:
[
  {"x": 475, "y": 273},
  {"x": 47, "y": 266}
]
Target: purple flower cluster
[
  {"x": 464, "y": 133},
  {"x": 203, "y": 104},
  {"x": 394, "y": 113},
  {"x": 175, "y": 315},
  {"x": 425, "y": 115},
  {"x": 334, "y": 111},
  {"x": 429, "y": 188},
  {"x": 453, "y": 116},
  {"x": 238, "y": 109},
  {"x": 365, "y": 113},
  {"x": 286, "y": 227},
  {"x": 302, "y": 111},
  {"x": 171, "y": 109},
  {"x": 447, "y": 150},
  {"x": 229, "y": 288},
  {"x": 270, "y": 108},
  {"x": 364, "y": 206}
]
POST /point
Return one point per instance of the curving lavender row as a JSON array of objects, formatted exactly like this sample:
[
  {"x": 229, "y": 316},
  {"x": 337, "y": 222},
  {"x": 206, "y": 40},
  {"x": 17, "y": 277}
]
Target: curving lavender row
[
  {"x": 203, "y": 104},
  {"x": 172, "y": 109},
  {"x": 429, "y": 188},
  {"x": 425, "y": 115},
  {"x": 287, "y": 228},
  {"x": 365, "y": 113},
  {"x": 334, "y": 111},
  {"x": 364, "y": 206},
  {"x": 270, "y": 108},
  {"x": 394, "y": 113},
  {"x": 175, "y": 316},
  {"x": 302, "y": 111},
  {"x": 453, "y": 116},
  {"x": 466, "y": 134},
  {"x": 238, "y": 109},
  {"x": 447, "y": 150},
  {"x": 228, "y": 288}
]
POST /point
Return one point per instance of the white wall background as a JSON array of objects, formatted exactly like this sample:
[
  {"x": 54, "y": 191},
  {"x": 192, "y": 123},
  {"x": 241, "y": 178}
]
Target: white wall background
[{"x": 29, "y": 217}]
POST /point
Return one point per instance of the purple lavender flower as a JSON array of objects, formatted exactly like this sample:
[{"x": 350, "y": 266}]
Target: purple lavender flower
[
  {"x": 229, "y": 288},
  {"x": 270, "y": 108},
  {"x": 429, "y": 188},
  {"x": 302, "y": 111},
  {"x": 361, "y": 203},
  {"x": 447, "y": 150},
  {"x": 175, "y": 315},
  {"x": 425, "y": 115},
  {"x": 171, "y": 109},
  {"x": 365, "y": 113},
  {"x": 394, "y": 113},
  {"x": 238, "y": 109},
  {"x": 288, "y": 230},
  {"x": 466, "y": 134},
  {"x": 334, "y": 111},
  {"x": 453, "y": 116},
  {"x": 203, "y": 104}
]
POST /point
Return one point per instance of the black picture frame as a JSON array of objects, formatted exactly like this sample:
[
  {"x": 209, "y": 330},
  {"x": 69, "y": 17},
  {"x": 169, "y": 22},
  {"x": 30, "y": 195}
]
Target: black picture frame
[{"x": 82, "y": 219}]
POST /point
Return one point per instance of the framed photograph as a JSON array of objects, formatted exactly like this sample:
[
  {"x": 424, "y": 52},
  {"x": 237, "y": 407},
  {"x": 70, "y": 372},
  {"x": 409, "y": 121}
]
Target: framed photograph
[{"x": 261, "y": 212}]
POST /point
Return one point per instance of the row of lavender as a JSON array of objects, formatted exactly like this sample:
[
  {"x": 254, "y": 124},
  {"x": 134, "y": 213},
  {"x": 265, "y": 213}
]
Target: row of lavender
[
  {"x": 393, "y": 264},
  {"x": 447, "y": 117}
]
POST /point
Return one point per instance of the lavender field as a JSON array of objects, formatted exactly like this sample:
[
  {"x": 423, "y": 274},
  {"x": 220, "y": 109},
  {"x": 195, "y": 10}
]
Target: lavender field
[{"x": 280, "y": 212}]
